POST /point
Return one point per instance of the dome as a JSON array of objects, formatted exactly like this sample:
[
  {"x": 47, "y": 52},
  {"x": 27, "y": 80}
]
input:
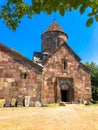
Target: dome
[
  {"x": 55, "y": 27},
  {"x": 53, "y": 37}
]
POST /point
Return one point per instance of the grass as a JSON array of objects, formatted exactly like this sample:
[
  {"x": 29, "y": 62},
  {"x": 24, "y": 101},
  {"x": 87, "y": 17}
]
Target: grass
[{"x": 96, "y": 105}]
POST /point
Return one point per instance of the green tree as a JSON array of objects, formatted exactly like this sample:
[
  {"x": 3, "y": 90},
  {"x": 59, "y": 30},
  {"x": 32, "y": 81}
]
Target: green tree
[
  {"x": 14, "y": 10},
  {"x": 94, "y": 78}
]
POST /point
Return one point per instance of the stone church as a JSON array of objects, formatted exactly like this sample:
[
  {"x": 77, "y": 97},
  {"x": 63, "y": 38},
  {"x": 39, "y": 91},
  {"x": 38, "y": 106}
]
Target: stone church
[{"x": 55, "y": 74}]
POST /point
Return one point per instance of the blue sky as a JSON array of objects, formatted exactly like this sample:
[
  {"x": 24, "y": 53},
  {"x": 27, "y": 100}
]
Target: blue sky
[{"x": 27, "y": 38}]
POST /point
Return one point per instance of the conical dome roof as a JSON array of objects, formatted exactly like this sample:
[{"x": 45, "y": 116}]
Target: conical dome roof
[
  {"x": 55, "y": 27},
  {"x": 53, "y": 37}
]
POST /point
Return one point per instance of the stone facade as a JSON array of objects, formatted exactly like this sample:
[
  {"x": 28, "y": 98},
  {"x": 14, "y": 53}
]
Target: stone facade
[
  {"x": 74, "y": 79},
  {"x": 55, "y": 75},
  {"x": 52, "y": 40},
  {"x": 18, "y": 77},
  {"x": 65, "y": 78}
]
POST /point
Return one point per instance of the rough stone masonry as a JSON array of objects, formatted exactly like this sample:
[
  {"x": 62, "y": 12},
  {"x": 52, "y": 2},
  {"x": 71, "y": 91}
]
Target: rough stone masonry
[{"x": 55, "y": 74}]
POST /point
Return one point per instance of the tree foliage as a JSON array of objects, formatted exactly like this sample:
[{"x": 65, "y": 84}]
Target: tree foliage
[
  {"x": 94, "y": 78},
  {"x": 14, "y": 10}
]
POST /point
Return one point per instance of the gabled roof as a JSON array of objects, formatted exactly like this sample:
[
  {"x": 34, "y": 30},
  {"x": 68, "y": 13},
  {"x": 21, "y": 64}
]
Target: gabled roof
[
  {"x": 55, "y": 27},
  {"x": 13, "y": 52},
  {"x": 76, "y": 56},
  {"x": 70, "y": 49}
]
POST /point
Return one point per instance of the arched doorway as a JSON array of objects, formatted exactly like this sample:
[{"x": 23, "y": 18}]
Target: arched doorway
[{"x": 65, "y": 93}]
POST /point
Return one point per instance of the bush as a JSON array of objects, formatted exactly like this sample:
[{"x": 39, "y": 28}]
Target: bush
[{"x": 95, "y": 93}]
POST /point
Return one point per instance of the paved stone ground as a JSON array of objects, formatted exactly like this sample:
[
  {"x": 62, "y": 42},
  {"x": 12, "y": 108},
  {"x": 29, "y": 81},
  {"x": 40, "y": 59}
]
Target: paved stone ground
[{"x": 69, "y": 117}]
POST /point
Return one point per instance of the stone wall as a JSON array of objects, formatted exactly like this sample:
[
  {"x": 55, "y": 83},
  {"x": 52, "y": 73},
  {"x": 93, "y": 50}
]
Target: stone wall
[
  {"x": 53, "y": 68},
  {"x": 52, "y": 40},
  {"x": 18, "y": 79}
]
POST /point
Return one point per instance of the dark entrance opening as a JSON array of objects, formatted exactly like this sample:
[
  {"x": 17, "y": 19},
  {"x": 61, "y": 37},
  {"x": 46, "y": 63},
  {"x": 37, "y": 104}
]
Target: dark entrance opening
[{"x": 64, "y": 97}]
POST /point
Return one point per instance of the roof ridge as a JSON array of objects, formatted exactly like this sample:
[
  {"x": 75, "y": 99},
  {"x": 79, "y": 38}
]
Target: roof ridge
[
  {"x": 64, "y": 44},
  {"x": 20, "y": 55}
]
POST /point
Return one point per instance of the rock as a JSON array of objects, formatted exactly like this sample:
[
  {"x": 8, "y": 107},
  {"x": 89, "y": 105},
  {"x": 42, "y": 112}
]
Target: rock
[
  {"x": 7, "y": 103},
  {"x": 80, "y": 101},
  {"x": 32, "y": 104},
  {"x": 62, "y": 104},
  {"x": 27, "y": 101},
  {"x": 86, "y": 102},
  {"x": 2, "y": 102},
  {"x": 13, "y": 102},
  {"x": 37, "y": 104}
]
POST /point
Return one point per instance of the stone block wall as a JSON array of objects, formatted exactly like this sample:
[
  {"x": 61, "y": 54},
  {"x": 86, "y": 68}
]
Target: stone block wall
[
  {"x": 81, "y": 85},
  {"x": 52, "y": 40},
  {"x": 18, "y": 79}
]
